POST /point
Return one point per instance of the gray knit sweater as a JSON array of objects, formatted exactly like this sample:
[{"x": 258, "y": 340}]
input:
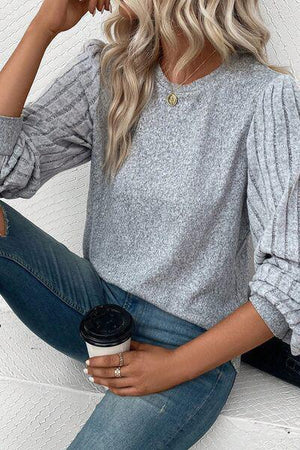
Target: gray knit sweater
[{"x": 203, "y": 177}]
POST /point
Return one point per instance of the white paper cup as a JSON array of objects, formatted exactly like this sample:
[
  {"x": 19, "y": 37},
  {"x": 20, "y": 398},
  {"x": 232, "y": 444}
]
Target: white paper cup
[{"x": 99, "y": 351}]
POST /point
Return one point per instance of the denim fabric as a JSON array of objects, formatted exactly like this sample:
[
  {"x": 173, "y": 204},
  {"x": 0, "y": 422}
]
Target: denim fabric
[
  {"x": 274, "y": 357},
  {"x": 50, "y": 288}
]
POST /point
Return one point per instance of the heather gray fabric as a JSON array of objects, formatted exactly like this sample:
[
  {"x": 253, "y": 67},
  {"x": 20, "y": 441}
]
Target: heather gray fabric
[{"x": 203, "y": 177}]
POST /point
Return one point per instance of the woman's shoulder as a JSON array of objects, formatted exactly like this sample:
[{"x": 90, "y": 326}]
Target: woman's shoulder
[
  {"x": 88, "y": 59},
  {"x": 275, "y": 122},
  {"x": 261, "y": 78},
  {"x": 254, "y": 81},
  {"x": 87, "y": 63},
  {"x": 91, "y": 49}
]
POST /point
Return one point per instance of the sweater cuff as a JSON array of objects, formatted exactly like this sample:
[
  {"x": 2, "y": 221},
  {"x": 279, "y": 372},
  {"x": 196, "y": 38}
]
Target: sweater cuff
[
  {"x": 273, "y": 318},
  {"x": 10, "y": 128}
]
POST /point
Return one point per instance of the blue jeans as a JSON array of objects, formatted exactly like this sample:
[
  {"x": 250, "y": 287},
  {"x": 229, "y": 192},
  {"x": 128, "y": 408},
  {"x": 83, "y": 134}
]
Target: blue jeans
[
  {"x": 50, "y": 288},
  {"x": 274, "y": 357}
]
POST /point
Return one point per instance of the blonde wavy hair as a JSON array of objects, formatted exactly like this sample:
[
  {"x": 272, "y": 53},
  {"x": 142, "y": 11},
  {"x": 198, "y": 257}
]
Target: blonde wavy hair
[{"x": 133, "y": 50}]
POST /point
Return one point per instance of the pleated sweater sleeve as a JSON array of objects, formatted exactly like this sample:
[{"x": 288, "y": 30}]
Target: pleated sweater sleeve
[
  {"x": 53, "y": 133},
  {"x": 273, "y": 202}
]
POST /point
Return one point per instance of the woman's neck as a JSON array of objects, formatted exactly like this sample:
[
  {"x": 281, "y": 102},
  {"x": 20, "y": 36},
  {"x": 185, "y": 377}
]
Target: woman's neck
[{"x": 170, "y": 56}]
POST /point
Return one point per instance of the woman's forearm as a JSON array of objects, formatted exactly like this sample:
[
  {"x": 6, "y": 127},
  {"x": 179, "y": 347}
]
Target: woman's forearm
[
  {"x": 237, "y": 333},
  {"x": 17, "y": 75}
]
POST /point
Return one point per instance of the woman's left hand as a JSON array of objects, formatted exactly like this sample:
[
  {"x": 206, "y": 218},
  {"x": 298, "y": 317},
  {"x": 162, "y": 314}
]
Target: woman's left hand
[{"x": 147, "y": 369}]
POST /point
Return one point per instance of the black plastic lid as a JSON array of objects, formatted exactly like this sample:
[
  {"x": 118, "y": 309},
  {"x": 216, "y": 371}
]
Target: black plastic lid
[{"x": 106, "y": 325}]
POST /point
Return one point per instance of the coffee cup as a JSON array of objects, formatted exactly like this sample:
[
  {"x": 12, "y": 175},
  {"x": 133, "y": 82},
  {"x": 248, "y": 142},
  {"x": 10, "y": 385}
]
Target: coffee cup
[{"x": 107, "y": 329}]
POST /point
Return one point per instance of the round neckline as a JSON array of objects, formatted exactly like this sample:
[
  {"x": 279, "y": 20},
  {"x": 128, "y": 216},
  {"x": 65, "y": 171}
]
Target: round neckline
[{"x": 196, "y": 84}]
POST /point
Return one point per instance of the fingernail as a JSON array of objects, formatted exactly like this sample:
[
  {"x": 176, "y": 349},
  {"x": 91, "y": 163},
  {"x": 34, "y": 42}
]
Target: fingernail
[
  {"x": 91, "y": 379},
  {"x": 87, "y": 362},
  {"x": 102, "y": 9},
  {"x": 85, "y": 370}
]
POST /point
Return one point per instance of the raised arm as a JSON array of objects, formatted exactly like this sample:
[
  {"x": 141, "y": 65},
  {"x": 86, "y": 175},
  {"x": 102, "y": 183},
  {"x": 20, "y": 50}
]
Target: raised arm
[
  {"x": 54, "y": 133},
  {"x": 18, "y": 74}
]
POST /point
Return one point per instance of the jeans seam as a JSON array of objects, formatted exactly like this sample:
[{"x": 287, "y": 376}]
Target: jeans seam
[
  {"x": 43, "y": 281},
  {"x": 197, "y": 409}
]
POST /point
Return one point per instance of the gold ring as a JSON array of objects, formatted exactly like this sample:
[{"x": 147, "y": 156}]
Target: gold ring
[{"x": 121, "y": 359}]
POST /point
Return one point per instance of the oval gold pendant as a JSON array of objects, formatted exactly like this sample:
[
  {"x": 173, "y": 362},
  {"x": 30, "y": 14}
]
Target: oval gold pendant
[{"x": 172, "y": 99}]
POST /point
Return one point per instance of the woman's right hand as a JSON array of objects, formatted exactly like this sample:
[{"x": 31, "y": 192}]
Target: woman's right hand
[{"x": 55, "y": 16}]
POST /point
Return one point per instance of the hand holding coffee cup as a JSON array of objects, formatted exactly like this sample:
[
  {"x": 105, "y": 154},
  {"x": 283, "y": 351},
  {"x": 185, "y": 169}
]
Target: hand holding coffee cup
[{"x": 106, "y": 330}]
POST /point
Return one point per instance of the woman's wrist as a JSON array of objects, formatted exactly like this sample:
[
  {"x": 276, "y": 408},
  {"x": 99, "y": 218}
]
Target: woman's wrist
[
  {"x": 184, "y": 368},
  {"x": 42, "y": 32}
]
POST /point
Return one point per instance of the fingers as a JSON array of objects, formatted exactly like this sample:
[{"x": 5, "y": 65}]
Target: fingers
[
  {"x": 92, "y": 6},
  {"x": 107, "y": 5},
  {"x": 111, "y": 360},
  {"x": 107, "y": 372},
  {"x": 123, "y": 392},
  {"x": 135, "y": 345},
  {"x": 114, "y": 382},
  {"x": 101, "y": 5}
]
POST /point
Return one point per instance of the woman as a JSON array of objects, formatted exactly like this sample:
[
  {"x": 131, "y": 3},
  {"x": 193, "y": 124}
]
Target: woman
[{"x": 186, "y": 165}]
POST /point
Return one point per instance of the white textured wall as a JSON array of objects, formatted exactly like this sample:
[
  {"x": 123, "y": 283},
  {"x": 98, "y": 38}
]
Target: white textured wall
[{"x": 59, "y": 206}]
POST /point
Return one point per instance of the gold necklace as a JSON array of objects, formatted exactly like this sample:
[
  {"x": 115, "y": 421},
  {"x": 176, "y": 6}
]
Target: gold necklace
[{"x": 172, "y": 98}]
